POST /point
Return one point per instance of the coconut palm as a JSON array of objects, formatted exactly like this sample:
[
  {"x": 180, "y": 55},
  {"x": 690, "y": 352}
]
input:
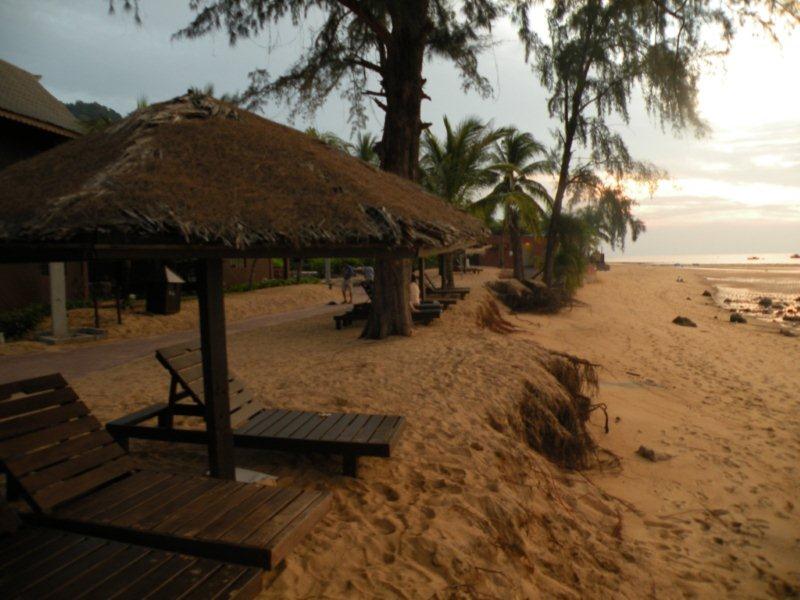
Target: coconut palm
[
  {"x": 455, "y": 167},
  {"x": 523, "y": 201},
  {"x": 365, "y": 148}
]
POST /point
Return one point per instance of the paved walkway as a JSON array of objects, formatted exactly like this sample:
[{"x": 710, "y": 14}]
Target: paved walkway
[{"x": 75, "y": 361}]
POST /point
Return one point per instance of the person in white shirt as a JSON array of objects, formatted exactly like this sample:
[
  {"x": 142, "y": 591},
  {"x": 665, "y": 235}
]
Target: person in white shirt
[{"x": 413, "y": 294}]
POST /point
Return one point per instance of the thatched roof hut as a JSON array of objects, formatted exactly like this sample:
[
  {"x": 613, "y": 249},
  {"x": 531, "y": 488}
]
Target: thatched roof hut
[{"x": 194, "y": 176}]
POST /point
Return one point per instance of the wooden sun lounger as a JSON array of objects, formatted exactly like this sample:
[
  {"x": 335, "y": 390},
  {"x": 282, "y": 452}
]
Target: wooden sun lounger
[
  {"x": 73, "y": 475},
  {"x": 433, "y": 291},
  {"x": 42, "y": 563},
  {"x": 350, "y": 435},
  {"x": 427, "y": 313}
]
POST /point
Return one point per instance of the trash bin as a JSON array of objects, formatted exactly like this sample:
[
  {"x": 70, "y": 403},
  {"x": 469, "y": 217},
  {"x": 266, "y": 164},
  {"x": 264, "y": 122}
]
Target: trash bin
[{"x": 164, "y": 292}]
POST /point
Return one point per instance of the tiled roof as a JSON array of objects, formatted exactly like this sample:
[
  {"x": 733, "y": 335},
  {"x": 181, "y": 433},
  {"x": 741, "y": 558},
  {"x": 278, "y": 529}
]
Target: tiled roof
[{"x": 21, "y": 95}]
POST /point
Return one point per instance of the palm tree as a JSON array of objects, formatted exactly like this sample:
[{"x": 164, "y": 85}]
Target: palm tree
[
  {"x": 365, "y": 148},
  {"x": 523, "y": 200},
  {"x": 329, "y": 139},
  {"x": 455, "y": 166}
]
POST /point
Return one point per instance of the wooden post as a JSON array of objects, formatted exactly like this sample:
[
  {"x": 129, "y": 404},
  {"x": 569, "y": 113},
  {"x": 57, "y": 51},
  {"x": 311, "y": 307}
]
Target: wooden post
[
  {"x": 215, "y": 369},
  {"x": 422, "y": 279},
  {"x": 286, "y": 262}
]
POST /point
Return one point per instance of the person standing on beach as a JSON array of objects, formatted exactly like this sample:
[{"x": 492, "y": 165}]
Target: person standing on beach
[{"x": 347, "y": 283}]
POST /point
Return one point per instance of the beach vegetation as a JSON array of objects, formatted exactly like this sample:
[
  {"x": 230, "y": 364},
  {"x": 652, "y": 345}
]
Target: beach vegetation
[{"x": 517, "y": 160}]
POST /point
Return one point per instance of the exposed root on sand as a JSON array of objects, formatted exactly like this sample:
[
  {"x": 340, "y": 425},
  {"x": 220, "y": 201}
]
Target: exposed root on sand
[{"x": 489, "y": 317}]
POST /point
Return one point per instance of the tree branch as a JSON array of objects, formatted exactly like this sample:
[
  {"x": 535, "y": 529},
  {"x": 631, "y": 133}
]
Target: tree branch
[{"x": 364, "y": 15}]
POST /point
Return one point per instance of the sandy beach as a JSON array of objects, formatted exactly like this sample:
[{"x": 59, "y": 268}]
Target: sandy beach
[{"x": 466, "y": 509}]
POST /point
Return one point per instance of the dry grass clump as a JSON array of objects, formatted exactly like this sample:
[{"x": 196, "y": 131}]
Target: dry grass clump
[
  {"x": 489, "y": 317},
  {"x": 528, "y": 296},
  {"x": 553, "y": 421}
]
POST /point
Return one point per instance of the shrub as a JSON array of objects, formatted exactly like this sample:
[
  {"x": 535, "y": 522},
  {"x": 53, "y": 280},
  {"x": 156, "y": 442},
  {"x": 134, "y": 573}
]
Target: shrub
[
  {"x": 528, "y": 296},
  {"x": 16, "y": 323}
]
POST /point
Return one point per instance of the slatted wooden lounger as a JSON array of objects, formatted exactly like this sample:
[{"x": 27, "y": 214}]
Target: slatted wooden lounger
[
  {"x": 350, "y": 435},
  {"x": 47, "y": 564},
  {"x": 75, "y": 477},
  {"x": 425, "y": 316},
  {"x": 432, "y": 291}
]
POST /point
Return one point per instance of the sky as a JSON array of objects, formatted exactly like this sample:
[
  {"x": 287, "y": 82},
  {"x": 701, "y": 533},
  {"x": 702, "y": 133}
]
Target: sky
[{"x": 737, "y": 190}]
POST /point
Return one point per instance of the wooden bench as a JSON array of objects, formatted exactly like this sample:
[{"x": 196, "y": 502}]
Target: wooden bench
[
  {"x": 39, "y": 562},
  {"x": 350, "y": 435},
  {"x": 74, "y": 476},
  {"x": 453, "y": 292}
]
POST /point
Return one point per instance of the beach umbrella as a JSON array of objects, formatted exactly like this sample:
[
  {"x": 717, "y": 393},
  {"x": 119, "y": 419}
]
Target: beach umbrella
[{"x": 198, "y": 178}]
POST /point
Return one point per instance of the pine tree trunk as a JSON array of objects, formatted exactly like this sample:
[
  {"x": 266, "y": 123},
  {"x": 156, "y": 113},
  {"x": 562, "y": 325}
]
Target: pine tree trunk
[
  {"x": 448, "y": 279},
  {"x": 399, "y": 150},
  {"x": 390, "y": 314}
]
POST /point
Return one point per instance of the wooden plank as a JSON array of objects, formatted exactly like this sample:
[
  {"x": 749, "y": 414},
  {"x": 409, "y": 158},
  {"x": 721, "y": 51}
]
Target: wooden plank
[
  {"x": 228, "y": 497},
  {"x": 276, "y": 522},
  {"x": 189, "y": 376},
  {"x": 190, "y": 579},
  {"x": 82, "y": 462},
  {"x": 62, "y": 491},
  {"x": 240, "y": 398},
  {"x": 194, "y": 488},
  {"x": 185, "y": 360},
  {"x": 148, "y": 489},
  {"x": 153, "y": 502},
  {"x": 237, "y": 509},
  {"x": 115, "y": 556},
  {"x": 349, "y": 431},
  {"x": 40, "y": 459},
  {"x": 245, "y": 413},
  {"x": 42, "y": 419},
  {"x": 280, "y": 423},
  {"x": 32, "y": 385},
  {"x": 299, "y": 527},
  {"x": 215, "y": 369},
  {"x": 290, "y": 428},
  {"x": 262, "y": 421},
  {"x": 363, "y": 434},
  {"x": 148, "y": 584},
  {"x": 169, "y": 352},
  {"x": 247, "y": 524},
  {"x": 128, "y": 574},
  {"x": 308, "y": 426},
  {"x": 23, "y": 542},
  {"x": 246, "y": 587},
  {"x": 38, "y": 439},
  {"x": 326, "y": 424},
  {"x": 108, "y": 498},
  {"x": 28, "y": 562},
  {"x": 386, "y": 431},
  {"x": 46, "y": 399},
  {"x": 60, "y": 568},
  {"x": 215, "y": 583},
  {"x": 205, "y": 507},
  {"x": 334, "y": 432}
]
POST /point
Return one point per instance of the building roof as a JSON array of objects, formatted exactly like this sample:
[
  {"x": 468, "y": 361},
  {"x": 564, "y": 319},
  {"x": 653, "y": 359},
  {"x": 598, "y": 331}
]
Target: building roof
[
  {"x": 24, "y": 99},
  {"x": 199, "y": 177}
]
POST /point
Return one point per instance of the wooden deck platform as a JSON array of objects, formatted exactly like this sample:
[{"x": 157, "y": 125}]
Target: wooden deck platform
[{"x": 48, "y": 564}]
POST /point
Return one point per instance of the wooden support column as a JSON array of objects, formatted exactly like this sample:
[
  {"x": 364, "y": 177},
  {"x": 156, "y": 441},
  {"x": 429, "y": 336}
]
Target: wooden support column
[
  {"x": 215, "y": 369},
  {"x": 422, "y": 279}
]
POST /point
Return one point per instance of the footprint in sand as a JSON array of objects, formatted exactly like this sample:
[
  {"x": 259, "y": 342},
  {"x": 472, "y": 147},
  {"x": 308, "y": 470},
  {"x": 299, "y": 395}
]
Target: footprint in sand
[
  {"x": 390, "y": 493},
  {"x": 385, "y": 526}
]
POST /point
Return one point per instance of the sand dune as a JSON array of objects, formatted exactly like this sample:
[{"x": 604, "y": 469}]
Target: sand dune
[{"x": 466, "y": 509}]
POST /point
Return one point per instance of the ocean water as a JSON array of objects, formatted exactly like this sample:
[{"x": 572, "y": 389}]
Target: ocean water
[{"x": 784, "y": 258}]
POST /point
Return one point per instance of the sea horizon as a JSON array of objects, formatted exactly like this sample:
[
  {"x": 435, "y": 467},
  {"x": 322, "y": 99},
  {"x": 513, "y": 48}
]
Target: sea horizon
[{"x": 752, "y": 259}]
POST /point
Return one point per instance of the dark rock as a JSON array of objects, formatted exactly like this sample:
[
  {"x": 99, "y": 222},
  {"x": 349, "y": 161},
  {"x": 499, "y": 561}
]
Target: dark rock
[
  {"x": 727, "y": 301},
  {"x": 737, "y": 318},
  {"x": 788, "y": 332},
  {"x": 651, "y": 454},
  {"x": 707, "y": 294},
  {"x": 766, "y": 302},
  {"x": 684, "y": 322},
  {"x": 792, "y": 318}
]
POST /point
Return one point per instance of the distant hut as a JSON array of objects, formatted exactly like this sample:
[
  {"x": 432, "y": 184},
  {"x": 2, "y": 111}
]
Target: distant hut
[
  {"x": 197, "y": 178},
  {"x": 31, "y": 121}
]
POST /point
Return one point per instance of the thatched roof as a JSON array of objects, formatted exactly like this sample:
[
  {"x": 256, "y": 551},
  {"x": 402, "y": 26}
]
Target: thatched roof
[
  {"x": 196, "y": 174},
  {"x": 24, "y": 99}
]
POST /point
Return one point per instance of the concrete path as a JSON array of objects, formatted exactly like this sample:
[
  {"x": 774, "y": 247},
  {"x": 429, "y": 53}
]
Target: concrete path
[{"x": 75, "y": 361}]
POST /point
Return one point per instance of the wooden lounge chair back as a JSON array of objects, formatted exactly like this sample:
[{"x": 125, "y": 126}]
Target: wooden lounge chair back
[
  {"x": 185, "y": 364},
  {"x": 50, "y": 444}
]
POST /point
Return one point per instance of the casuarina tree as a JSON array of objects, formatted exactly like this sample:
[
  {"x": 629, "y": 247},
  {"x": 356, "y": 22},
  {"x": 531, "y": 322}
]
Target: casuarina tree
[
  {"x": 598, "y": 52},
  {"x": 353, "y": 46}
]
